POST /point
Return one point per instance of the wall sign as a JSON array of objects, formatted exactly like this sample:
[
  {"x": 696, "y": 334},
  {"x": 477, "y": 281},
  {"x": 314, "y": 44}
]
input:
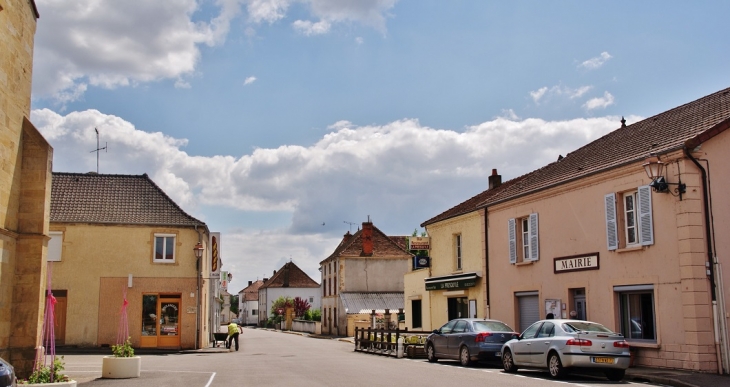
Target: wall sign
[
  {"x": 419, "y": 243},
  {"x": 421, "y": 262},
  {"x": 456, "y": 284},
  {"x": 576, "y": 262}
]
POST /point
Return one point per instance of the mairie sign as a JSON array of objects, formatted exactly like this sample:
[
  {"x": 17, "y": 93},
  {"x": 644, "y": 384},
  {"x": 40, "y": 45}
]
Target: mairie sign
[{"x": 455, "y": 284}]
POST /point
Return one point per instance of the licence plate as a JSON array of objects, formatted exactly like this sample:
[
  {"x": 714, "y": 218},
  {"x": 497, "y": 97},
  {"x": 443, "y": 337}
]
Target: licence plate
[
  {"x": 498, "y": 354},
  {"x": 603, "y": 360}
]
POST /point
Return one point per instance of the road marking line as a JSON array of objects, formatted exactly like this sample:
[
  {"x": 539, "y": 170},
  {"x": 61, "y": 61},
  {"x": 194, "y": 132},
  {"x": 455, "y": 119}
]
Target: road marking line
[{"x": 210, "y": 380}]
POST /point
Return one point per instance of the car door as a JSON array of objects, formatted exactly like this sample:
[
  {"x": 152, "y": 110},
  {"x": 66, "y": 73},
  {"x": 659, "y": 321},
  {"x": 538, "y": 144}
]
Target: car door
[
  {"x": 461, "y": 328},
  {"x": 542, "y": 342},
  {"x": 522, "y": 349},
  {"x": 440, "y": 338}
]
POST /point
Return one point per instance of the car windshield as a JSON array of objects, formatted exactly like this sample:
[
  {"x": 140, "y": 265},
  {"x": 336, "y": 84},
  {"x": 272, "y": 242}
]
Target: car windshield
[
  {"x": 584, "y": 326},
  {"x": 491, "y": 326}
]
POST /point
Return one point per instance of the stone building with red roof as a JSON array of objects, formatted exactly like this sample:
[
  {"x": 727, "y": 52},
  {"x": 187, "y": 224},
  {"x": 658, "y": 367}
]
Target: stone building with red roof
[
  {"x": 289, "y": 281},
  {"x": 625, "y": 231}
]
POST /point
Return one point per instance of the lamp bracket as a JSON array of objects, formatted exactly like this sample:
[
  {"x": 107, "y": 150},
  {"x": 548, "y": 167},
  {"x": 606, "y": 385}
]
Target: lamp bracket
[{"x": 661, "y": 185}]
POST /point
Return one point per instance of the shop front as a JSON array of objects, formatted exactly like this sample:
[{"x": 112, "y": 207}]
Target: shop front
[
  {"x": 458, "y": 293},
  {"x": 160, "y": 321}
]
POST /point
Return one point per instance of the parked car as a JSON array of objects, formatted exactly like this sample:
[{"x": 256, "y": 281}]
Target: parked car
[
  {"x": 559, "y": 345},
  {"x": 468, "y": 340},
  {"x": 7, "y": 374}
]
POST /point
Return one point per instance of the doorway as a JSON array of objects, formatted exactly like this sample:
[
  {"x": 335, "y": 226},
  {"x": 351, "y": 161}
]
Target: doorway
[
  {"x": 59, "y": 316},
  {"x": 579, "y": 303},
  {"x": 458, "y": 308},
  {"x": 160, "y": 321}
]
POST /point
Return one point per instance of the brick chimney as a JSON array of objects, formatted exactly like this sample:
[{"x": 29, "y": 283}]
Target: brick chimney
[
  {"x": 495, "y": 180},
  {"x": 367, "y": 238},
  {"x": 250, "y": 283},
  {"x": 346, "y": 238}
]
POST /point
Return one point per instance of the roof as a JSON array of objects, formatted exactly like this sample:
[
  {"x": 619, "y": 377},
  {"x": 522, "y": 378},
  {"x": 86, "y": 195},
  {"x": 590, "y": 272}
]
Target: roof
[
  {"x": 383, "y": 245},
  {"x": 365, "y": 302},
  {"x": 290, "y": 276},
  {"x": 114, "y": 199},
  {"x": 689, "y": 124},
  {"x": 251, "y": 292}
]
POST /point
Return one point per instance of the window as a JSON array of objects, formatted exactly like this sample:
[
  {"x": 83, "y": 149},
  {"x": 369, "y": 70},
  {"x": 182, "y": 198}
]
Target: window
[
  {"x": 636, "y": 308},
  {"x": 164, "y": 248},
  {"x": 416, "y": 312},
  {"x": 457, "y": 250},
  {"x": 55, "y": 246},
  {"x": 634, "y": 226},
  {"x": 311, "y": 300},
  {"x": 253, "y": 312},
  {"x": 523, "y": 240},
  {"x": 547, "y": 330}
]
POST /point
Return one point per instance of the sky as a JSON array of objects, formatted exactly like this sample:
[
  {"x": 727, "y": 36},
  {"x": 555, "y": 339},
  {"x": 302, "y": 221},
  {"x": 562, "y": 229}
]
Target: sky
[{"x": 284, "y": 124}]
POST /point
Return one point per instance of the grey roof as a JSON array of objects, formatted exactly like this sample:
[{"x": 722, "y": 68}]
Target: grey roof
[
  {"x": 365, "y": 302},
  {"x": 114, "y": 199}
]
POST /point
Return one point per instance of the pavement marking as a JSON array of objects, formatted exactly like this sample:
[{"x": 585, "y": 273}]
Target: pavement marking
[{"x": 210, "y": 380}]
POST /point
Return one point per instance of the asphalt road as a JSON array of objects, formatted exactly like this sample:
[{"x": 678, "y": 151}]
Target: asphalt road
[{"x": 268, "y": 358}]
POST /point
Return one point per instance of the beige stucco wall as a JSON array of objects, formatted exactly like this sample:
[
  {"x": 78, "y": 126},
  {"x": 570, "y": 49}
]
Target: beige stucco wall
[
  {"x": 415, "y": 289},
  {"x": 443, "y": 262},
  {"x": 96, "y": 262},
  {"x": 572, "y": 222}
]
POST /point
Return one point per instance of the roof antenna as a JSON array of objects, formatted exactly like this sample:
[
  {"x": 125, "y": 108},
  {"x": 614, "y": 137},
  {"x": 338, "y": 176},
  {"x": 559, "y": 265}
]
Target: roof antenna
[
  {"x": 351, "y": 224},
  {"x": 97, "y": 150}
]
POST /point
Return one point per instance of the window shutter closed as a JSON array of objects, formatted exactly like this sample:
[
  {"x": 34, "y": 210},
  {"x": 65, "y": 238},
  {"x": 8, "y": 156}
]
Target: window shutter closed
[
  {"x": 611, "y": 226},
  {"x": 534, "y": 250},
  {"x": 512, "y": 241},
  {"x": 646, "y": 223}
]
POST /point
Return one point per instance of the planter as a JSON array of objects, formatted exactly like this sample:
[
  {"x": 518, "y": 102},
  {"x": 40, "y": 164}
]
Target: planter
[
  {"x": 121, "y": 367},
  {"x": 70, "y": 383}
]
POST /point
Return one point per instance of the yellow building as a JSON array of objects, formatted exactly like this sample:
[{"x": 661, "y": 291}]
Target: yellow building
[
  {"x": 25, "y": 188},
  {"x": 117, "y": 236}
]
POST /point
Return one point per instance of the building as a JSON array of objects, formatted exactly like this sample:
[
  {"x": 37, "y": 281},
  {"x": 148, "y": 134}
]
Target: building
[
  {"x": 248, "y": 303},
  {"x": 595, "y": 235},
  {"x": 290, "y": 281},
  {"x": 364, "y": 273},
  {"x": 25, "y": 192},
  {"x": 117, "y": 237}
]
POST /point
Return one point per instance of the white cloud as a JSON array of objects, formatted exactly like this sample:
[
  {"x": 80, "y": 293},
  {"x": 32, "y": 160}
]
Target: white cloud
[
  {"x": 249, "y": 81},
  {"x": 538, "y": 94},
  {"x": 594, "y": 63},
  {"x": 599, "y": 102},
  {"x": 351, "y": 172},
  {"x": 359, "y": 40},
  {"x": 108, "y": 43},
  {"x": 559, "y": 91},
  {"x": 269, "y": 11},
  {"x": 308, "y": 28}
]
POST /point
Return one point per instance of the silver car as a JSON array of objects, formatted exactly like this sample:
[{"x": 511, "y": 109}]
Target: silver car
[
  {"x": 468, "y": 340},
  {"x": 559, "y": 345}
]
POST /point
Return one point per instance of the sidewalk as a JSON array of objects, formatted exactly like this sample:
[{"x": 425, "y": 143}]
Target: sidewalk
[{"x": 676, "y": 378}]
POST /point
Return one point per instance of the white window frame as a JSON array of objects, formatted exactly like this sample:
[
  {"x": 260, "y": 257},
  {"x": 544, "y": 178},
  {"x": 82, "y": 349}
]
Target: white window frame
[
  {"x": 528, "y": 249},
  {"x": 55, "y": 246},
  {"x": 641, "y": 214},
  {"x": 631, "y": 215},
  {"x": 164, "y": 247},
  {"x": 457, "y": 251},
  {"x": 630, "y": 325}
]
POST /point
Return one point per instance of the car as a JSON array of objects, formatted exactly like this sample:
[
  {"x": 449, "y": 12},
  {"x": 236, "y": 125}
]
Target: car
[
  {"x": 7, "y": 374},
  {"x": 562, "y": 345},
  {"x": 468, "y": 340}
]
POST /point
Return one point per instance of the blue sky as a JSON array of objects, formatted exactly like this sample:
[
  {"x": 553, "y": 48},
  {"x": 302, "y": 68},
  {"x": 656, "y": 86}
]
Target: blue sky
[{"x": 267, "y": 118}]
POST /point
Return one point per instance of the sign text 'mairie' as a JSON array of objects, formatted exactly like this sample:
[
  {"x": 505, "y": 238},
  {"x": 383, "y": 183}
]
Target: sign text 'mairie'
[{"x": 576, "y": 262}]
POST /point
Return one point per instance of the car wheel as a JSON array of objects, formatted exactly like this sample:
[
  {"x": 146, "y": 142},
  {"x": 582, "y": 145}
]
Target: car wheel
[
  {"x": 615, "y": 375},
  {"x": 555, "y": 367},
  {"x": 464, "y": 357},
  {"x": 431, "y": 353},
  {"x": 507, "y": 362}
]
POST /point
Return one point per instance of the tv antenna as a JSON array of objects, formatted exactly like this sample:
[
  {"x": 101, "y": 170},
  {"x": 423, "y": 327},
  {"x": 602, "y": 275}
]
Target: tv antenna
[
  {"x": 351, "y": 224},
  {"x": 98, "y": 150}
]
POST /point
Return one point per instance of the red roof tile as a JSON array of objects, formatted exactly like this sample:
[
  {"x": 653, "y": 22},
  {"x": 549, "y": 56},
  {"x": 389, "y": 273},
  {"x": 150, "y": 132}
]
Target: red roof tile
[
  {"x": 290, "y": 276},
  {"x": 383, "y": 245}
]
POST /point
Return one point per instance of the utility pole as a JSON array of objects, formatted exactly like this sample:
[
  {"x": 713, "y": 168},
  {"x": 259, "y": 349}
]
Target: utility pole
[{"x": 97, "y": 150}]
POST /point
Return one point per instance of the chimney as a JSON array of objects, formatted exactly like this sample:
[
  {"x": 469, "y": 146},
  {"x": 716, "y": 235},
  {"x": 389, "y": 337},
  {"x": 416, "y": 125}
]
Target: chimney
[
  {"x": 265, "y": 279},
  {"x": 250, "y": 283},
  {"x": 346, "y": 237},
  {"x": 623, "y": 122},
  {"x": 495, "y": 180},
  {"x": 274, "y": 273},
  {"x": 367, "y": 238}
]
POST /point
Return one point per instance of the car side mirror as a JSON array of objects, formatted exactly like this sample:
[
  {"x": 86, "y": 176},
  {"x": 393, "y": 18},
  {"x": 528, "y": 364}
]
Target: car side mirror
[{"x": 436, "y": 331}]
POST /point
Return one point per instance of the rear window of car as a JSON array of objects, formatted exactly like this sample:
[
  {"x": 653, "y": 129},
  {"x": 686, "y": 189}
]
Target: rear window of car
[
  {"x": 585, "y": 327},
  {"x": 491, "y": 326}
]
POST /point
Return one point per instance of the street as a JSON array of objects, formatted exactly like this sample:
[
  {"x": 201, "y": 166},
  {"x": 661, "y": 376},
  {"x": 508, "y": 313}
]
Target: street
[{"x": 268, "y": 358}]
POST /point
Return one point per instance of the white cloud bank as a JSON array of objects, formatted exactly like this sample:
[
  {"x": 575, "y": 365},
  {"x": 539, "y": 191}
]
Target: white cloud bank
[{"x": 401, "y": 173}]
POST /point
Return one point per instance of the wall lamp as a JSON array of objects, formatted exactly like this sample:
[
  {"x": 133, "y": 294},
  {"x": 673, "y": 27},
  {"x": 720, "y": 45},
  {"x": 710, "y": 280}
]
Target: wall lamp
[{"x": 655, "y": 170}]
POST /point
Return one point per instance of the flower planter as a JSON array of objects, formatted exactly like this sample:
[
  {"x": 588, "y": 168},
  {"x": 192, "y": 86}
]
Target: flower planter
[
  {"x": 70, "y": 383},
  {"x": 121, "y": 367}
]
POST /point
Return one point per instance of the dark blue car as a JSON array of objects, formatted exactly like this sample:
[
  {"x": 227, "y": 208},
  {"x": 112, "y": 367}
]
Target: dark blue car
[{"x": 468, "y": 340}]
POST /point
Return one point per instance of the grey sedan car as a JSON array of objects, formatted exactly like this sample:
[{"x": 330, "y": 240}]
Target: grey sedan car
[
  {"x": 559, "y": 345},
  {"x": 468, "y": 340}
]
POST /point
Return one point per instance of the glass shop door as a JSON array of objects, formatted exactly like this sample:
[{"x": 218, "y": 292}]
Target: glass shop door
[{"x": 160, "y": 321}]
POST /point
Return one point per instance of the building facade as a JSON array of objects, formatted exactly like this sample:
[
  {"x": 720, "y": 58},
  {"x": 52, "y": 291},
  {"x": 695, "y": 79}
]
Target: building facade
[
  {"x": 289, "y": 281},
  {"x": 248, "y": 303},
  {"x": 25, "y": 189},
  {"x": 117, "y": 238}
]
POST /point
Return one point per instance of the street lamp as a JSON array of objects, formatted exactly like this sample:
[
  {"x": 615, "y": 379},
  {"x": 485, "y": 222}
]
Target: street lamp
[
  {"x": 655, "y": 170},
  {"x": 198, "y": 249}
]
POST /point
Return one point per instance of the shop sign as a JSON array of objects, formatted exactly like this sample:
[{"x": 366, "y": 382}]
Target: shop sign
[
  {"x": 422, "y": 262},
  {"x": 214, "y": 252},
  {"x": 419, "y": 243},
  {"x": 576, "y": 262},
  {"x": 448, "y": 285}
]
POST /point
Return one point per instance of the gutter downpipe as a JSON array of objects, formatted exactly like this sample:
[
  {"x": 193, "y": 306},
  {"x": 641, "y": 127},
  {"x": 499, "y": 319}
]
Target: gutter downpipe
[
  {"x": 199, "y": 306},
  {"x": 486, "y": 264},
  {"x": 711, "y": 260}
]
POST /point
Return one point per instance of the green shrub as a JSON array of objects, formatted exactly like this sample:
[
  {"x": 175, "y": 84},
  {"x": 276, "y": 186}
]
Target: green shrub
[
  {"x": 123, "y": 350},
  {"x": 47, "y": 373}
]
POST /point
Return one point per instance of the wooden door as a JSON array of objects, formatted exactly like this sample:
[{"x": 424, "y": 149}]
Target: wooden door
[{"x": 59, "y": 317}]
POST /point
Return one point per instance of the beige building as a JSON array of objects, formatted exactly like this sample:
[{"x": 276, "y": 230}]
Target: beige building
[
  {"x": 25, "y": 189},
  {"x": 593, "y": 236},
  {"x": 289, "y": 282},
  {"x": 364, "y": 273},
  {"x": 117, "y": 236}
]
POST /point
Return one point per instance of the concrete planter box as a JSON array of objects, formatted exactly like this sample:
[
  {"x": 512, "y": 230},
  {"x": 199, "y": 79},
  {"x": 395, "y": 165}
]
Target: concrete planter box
[
  {"x": 121, "y": 367},
  {"x": 70, "y": 383}
]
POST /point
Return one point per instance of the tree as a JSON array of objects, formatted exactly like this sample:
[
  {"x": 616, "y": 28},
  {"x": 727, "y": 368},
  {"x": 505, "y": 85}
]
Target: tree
[
  {"x": 301, "y": 306},
  {"x": 234, "y": 305},
  {"x": 281, "y": 303}
]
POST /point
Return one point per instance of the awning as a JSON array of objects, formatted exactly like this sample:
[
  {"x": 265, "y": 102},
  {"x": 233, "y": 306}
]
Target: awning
[
  {"x": 456, "y": 281},
  {"x": 365, "y": 302}
]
